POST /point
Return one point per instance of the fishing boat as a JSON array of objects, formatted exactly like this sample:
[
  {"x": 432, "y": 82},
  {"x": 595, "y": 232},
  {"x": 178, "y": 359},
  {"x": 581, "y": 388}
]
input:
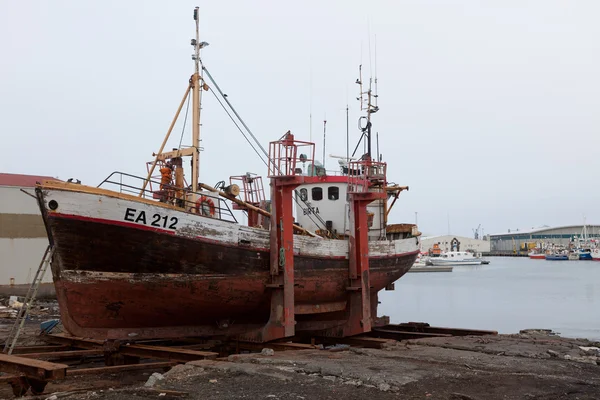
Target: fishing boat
[
  {"x": 596, "y": 254},
  {"x": 534, "y": 255},
  {"x": 164, "y": 255},
  {"x": 456, "y": 258},
  {"x": 557, "y": 257},
  {"x": 584, "y": 254}
]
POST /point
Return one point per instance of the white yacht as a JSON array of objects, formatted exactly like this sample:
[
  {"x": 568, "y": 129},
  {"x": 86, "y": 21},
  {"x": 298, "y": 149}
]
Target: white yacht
[{"x": 457, "y": 258}]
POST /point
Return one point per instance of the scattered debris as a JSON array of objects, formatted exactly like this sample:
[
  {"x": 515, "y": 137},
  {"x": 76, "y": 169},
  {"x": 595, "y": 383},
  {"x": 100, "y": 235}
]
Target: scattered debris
[
  {"x": 154, "y": 378},
  {"x": 267, "y": 352}
]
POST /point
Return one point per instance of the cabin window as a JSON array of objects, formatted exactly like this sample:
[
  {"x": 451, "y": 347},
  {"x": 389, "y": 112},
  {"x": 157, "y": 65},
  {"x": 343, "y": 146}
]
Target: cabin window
[
  {"x": 303, "y": 194},
  {"x": 333, "y": 192},
  {"x": 317, "y": 194}
]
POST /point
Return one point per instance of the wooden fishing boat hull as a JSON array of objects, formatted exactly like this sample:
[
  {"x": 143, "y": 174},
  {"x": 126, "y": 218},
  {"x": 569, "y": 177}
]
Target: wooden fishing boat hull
[{"x": 118, "y": 276}]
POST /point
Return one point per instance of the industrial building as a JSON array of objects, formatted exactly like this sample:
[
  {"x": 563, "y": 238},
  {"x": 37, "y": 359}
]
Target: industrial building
[
  {"x": 519, "y": 242},
  {"x": 23, "y": 237},
  {"x": 454, "y": 243}
]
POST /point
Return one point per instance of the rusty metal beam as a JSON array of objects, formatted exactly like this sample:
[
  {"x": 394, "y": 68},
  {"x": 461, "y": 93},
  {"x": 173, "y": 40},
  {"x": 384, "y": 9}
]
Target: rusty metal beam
[
  {"x": 37, "y": 369},
  {"x": 120, "y": 368}
]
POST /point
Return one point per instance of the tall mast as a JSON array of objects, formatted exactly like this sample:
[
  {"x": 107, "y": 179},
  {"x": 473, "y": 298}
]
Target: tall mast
[{"x": 196, "y": 105}]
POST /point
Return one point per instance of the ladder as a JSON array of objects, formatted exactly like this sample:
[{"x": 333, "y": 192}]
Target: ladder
[{"x": 13, "y": 336}]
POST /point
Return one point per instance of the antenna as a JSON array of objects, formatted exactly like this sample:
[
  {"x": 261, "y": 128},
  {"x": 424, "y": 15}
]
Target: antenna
[
  {"x": 347, "y": 135},
  {"x": 324, "y": 136},
  {"x": 378, "y": 155},
  {"x": 310, "y": 107}
]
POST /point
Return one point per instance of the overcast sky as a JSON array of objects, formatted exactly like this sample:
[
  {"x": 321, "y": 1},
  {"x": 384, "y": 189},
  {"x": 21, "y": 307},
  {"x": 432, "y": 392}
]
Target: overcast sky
[{"x": 489, "y": 109}]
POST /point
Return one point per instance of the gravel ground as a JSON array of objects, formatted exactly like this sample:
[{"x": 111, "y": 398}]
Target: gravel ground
[{"x": 531, "y": 365}]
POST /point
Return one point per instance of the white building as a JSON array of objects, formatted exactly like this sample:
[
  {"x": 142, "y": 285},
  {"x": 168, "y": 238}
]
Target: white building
[
  {"x": 454, "y": 243},
  {"x": 23, "y": 237}
]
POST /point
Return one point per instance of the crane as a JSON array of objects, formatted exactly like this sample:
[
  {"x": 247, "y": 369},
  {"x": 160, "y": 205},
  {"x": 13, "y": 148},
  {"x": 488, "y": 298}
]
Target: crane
[{"x": 476, "y": 232}]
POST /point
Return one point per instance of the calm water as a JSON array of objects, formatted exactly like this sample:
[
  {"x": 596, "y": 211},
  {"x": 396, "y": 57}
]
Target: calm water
[{"x": 507, "y": 295}]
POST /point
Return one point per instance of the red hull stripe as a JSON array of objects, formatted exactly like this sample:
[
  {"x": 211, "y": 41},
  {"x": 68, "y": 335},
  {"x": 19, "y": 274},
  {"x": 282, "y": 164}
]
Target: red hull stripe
[{"x": 199, "y": 238}]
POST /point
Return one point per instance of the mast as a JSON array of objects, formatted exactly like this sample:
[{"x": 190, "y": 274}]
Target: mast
[
  {"x": 196, "y": 105},
  {"x": 369, "y": 107}
]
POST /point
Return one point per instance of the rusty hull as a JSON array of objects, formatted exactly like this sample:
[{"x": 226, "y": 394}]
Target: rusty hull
[{"x": 122, "y": 283}]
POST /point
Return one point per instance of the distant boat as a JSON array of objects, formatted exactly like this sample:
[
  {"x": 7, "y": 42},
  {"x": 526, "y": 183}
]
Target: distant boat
[
  {"x": 584, "y": 254},
  {"x": 596, "y": 254},
  {"x": 456, "y": 258},
  {"x": 537, "y": 256},
  {"x": 557, "y": 257}
]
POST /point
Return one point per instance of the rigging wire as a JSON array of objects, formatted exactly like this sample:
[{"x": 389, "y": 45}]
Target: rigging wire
[
  {"x": 187, "y": 108},
  {"x": 237, "y": 126},
  {"x": 235, "y": 112},
  {"x": 310, "y": 216}
]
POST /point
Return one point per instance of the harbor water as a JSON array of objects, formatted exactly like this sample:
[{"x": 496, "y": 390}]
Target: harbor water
[{"x": 507, "y": 295}]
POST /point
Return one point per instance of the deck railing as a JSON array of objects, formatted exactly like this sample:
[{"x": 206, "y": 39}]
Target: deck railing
[{"x": 131, "y": 184}]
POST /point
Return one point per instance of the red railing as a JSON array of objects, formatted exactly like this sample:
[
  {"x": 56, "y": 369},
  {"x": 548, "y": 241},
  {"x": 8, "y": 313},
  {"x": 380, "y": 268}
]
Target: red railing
[
  {"x": 285, "y": 154},
  {"x": 251, "y": 188},
  {"x": 366, "y": 176}
]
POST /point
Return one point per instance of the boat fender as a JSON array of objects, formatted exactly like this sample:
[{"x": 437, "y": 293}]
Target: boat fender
[{"x": 211, "y": 205}]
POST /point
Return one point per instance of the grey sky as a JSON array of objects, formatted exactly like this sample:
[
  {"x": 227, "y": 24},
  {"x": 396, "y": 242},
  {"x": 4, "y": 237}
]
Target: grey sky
[{"x": 489, "y": 109}]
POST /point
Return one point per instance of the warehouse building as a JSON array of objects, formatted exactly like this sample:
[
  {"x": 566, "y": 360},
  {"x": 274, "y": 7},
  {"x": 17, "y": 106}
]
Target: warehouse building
[
  {"x": 445, "y": 243},
  {"x": 23, "y": 237},
  {"x": 519, "y": 242}
]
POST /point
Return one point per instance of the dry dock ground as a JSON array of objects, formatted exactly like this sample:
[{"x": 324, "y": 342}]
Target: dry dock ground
[{"x": 530, "y": 365}]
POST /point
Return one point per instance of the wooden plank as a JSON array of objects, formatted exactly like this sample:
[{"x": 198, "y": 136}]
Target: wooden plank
[
  {"x": 64, "y": 354},
  {"x": 38, "y": 349},
  {"x": 359, "y": 341},
  {"x": 166, "y": 353},
  {"x": 120, "y": 368},
  {"x": 402, "y": 335},
  {"x": 72, "y": 341},
  {"x": 37, "y": 369},
  {"x": 424, "y": 327},
  {"x": 277, "y": 346}
]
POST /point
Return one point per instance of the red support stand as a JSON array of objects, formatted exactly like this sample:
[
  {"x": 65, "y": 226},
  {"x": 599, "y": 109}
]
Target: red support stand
[
  {"x": 366, "y": 186},
  {"x": 283, "y": 155}
]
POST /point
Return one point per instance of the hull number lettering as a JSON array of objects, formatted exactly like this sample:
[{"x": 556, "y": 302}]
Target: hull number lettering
[{"x": 156, "y": 220}]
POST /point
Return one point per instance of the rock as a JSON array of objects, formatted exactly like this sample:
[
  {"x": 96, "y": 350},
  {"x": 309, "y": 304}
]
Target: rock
[
  {"x": 155, "y": 377},
  {"x": 267, "y": 352},
  {"x": 553, "y": 353},
  {"x": 353, "y": 383},
  {"x": 213, "y": 381},
  {"x": 384, "y": 387},
  {"x": 567, "y": 357},
  {"x": 590, "y": 351},
  {"x": 329, "y": 378},
  {"x": 53, "y": 397}
]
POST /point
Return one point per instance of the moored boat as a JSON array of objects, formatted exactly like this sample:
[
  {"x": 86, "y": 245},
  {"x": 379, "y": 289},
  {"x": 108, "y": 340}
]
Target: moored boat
[
  {"x": 557, "y": 257},
  {"x": 456, "y": 258},
  {"x": 537, "y": 256},
  {"x": 167, "y": 258},
  {"x": 596, "y": 254}
]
